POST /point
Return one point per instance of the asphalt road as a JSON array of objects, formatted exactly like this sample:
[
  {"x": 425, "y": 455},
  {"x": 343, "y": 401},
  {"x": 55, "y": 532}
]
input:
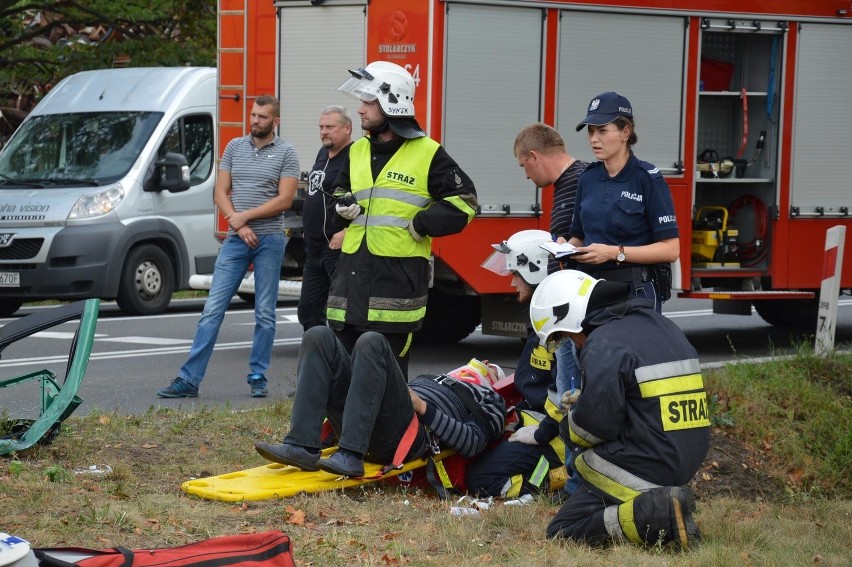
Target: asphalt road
[{"x": 134, "y": 356}]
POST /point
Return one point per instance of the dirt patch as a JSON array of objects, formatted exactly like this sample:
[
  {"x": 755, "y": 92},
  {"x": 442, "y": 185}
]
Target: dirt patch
[{"x": 733, "y": 469}]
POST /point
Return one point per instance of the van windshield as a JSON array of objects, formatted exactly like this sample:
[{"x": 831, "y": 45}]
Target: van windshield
[{"x": 93, "y": 148}]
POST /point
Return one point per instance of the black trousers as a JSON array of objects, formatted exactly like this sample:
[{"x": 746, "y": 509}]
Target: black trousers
[
  {"x": 399, "y": 344},
  {"x": 581, "y": 518},
  {"x": 489, "y": 473},
  {"x": 365, "y": 396},
  {"x": 316, "y": 279}
]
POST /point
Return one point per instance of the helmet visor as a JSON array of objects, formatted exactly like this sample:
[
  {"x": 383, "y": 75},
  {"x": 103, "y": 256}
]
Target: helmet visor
[
  {"x": 555, "y": 342},
  {"x": 497, "y": 262},
  {"x": 358, "y": 86}
]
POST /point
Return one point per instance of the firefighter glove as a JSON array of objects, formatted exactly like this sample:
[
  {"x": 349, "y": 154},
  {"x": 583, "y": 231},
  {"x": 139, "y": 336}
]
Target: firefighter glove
[
  {"x": 348, "y": 212},
  {"x": 525, "y": 434}
]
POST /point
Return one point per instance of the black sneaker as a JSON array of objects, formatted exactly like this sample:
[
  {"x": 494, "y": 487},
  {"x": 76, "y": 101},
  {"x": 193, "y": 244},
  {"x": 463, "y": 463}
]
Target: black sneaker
[
  {"x": 343, "y": 463},
  {"x": 289, "y": 454},
  {"x": 179, "y": 388},
  {"x": 257, "y": 383}
]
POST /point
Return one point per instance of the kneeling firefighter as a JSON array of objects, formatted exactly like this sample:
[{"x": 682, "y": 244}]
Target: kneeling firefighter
[
  {"x": 642, "y": 416},
  {"x": 531, "y": 460}
]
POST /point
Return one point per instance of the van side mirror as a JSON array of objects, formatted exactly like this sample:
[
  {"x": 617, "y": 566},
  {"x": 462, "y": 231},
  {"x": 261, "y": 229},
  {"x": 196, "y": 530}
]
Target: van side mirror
[{"x": 173, "y": 173}]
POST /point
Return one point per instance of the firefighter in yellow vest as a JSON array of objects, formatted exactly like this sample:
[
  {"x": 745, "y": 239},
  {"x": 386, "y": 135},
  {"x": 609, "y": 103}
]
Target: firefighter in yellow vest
[
  {"x": 400, "y": 188},
  {"x": 642, "y": 416}
]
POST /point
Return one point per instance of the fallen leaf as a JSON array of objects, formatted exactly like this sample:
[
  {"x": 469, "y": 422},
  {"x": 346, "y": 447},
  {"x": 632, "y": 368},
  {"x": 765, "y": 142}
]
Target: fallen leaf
[
  {"x": 149, "y": 445},
  {"x": 297, "y": 518},
  {"x": 706, "y": 476},
  {"x": 390, "y": 536},
  {"x": 203, "y": 449},
  {"x": 389, "y": 560},
  {"x": 103, "y": 420}
]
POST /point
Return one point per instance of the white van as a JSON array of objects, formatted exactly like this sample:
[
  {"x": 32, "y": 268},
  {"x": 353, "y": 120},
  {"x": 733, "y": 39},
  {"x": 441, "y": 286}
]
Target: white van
[{"x": 106, "y": 190}]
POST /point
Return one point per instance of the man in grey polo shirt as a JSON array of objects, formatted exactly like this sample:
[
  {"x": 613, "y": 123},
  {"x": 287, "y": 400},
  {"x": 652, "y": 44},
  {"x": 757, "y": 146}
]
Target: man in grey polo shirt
[{"x": 255, "y": 185}]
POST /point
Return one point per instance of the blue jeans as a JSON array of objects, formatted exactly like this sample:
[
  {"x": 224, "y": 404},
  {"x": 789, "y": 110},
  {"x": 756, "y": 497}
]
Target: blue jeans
[
  {"x": 231, "y": 266},
  {"x": 567, "y": 367}
]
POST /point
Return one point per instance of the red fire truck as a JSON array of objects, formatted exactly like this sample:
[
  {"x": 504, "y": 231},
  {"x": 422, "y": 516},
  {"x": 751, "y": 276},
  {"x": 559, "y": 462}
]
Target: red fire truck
[{"x": 746, "y": 106}]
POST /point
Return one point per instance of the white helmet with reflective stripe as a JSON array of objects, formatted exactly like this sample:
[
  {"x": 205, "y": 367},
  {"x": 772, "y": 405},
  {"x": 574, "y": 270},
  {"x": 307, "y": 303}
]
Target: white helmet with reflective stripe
[
  {"x": 522, "y": 253},
  {"x": 386, "y": 82},
  {"x": 560, "y": 303}
]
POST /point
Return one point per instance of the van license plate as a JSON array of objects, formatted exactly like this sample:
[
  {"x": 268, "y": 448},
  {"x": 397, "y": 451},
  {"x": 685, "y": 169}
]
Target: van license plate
[{"x": 10, "y": 279}]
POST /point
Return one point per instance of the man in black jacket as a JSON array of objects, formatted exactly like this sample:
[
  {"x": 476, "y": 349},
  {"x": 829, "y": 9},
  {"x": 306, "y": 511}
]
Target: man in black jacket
[
  {"x": 642, "y": 416},
  {"x": 323, "y": 227}
]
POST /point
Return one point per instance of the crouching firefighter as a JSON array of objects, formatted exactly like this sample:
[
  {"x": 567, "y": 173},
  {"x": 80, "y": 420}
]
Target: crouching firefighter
[
  {"x": 531, "y": 460},
  {"x": 375, "y": 414},
  {"x": 642, "y": 415}
]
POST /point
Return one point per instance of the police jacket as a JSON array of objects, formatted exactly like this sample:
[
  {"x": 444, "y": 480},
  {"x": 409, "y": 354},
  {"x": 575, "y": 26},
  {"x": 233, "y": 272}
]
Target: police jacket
[
  {"x": 381, "y": 282},
  {"x": 633, "y": 208},
  {"x": 643, "y": 411}
]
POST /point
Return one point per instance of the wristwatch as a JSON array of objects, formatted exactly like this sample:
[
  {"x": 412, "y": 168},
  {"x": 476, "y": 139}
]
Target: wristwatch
[{"x": 620, "y": 257}]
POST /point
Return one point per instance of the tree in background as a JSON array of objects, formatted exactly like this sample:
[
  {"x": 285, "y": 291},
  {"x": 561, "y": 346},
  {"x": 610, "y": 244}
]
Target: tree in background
[{"x": 42, "y": 42}]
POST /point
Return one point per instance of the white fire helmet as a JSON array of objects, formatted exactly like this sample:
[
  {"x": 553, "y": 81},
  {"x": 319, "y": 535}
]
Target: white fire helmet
[
  {"x": 386, "y": 82},
  {"x": 560, "y": 303},
  {"x": 479, "y": 372},
  {"x": 522, "y": 253}
]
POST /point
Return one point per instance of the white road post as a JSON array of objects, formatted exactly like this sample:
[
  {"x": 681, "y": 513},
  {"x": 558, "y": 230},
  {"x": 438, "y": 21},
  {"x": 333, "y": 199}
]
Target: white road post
[{"x": 832, "y": 267}]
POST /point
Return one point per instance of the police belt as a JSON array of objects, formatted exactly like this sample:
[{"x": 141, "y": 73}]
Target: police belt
[{"x": 633, "y": 275}]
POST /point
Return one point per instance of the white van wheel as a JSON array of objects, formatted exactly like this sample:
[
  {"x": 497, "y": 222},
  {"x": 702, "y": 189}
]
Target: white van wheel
[{"x": 147, "y": 281}]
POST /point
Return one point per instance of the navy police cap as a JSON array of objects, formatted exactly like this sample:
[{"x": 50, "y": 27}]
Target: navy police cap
[{"x": 605, "y": 108}]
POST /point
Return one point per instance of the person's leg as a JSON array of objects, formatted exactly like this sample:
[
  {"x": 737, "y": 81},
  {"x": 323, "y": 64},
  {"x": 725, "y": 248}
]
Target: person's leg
[
  {"x": 231, "y": 266},
  {"x": 378, "y": 406},
  {"x": 400, "y": 344},
  {"x": 581, "y": 518},
  {"x": 510, "y": 470},
  {"x": 314, "y": 294},
  {"x": 658, "y": 516},
  {"x": 323, "y": 378},
  {"x": 267, "y": 258}
]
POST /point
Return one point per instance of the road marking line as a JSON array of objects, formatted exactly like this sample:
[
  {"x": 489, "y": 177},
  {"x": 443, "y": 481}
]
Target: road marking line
[{"x": 145, "y": 340}]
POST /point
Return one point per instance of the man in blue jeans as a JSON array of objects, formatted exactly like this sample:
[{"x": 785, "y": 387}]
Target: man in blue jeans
[{"x": 255, "y": 185}]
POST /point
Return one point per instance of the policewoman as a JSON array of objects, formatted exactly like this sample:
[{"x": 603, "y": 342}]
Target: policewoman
[
  {"x": 624, "y": 220},
  {"x": 641, "y": 417}
]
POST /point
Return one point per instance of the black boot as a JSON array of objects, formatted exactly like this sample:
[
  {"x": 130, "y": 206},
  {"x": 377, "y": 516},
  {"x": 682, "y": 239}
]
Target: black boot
[
  {"x": 663, "y": 515},
  {"x": 343, "y": 463}
]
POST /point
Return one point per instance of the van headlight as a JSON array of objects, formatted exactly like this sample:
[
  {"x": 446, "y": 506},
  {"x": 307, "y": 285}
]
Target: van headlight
[{"x": 97, "y": 204}]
